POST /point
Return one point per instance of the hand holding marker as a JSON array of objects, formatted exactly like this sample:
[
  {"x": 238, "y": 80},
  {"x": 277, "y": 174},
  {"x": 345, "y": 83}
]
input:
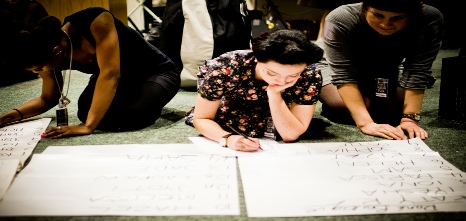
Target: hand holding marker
[{"x": 242, "y": 134}]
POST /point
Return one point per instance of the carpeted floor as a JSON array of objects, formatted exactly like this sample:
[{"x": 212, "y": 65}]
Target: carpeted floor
[{"x": 445, "y": 136}]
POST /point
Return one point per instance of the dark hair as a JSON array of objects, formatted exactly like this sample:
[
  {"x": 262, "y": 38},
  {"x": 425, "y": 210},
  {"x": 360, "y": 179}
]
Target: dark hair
[
  {"x": 400, "y": 6},
  {"x": 25, "y": 47},
  {"x": 285, "y": 47}
]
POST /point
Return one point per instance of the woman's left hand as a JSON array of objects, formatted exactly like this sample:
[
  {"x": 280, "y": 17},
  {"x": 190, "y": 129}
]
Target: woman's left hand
[
  {"x": 67, "y": 131},
  {"x": 413, "y": 130}
]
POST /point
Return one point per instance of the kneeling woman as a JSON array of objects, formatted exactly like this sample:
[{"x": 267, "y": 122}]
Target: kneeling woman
[
  {"x": 244, "y": 89},
  {"x": 131, "y": 80}
]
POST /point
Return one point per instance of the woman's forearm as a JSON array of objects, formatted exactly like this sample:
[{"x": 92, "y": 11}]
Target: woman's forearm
[
  {"x": 286, "y": 123},
  {"x": 354, "y": 101},
  {"x": 29, "y": 109},
  {"x": 209, "y": 129},
  {"x": 104, "y": 93},
  {"x": 413, "y": 101}
]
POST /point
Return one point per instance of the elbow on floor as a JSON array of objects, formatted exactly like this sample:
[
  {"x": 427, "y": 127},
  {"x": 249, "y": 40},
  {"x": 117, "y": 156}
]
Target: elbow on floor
[{"x": 287, "y": 138}]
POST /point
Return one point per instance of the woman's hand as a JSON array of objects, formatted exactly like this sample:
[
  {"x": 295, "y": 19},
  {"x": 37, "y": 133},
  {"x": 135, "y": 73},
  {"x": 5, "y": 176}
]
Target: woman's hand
[
  {"x": 383, "y": 130},
  {"x": 413, "y": 129},
  {"x": 280, "y": 88},
  {"x": 67, "y": 131},
  {"x": 239, "y": 143}
]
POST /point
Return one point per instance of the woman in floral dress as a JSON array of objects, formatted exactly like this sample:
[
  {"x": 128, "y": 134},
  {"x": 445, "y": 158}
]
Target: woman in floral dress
[{"x": 275, "y": 82}]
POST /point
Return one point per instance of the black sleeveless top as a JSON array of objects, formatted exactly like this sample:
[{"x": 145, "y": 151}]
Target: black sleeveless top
[{"x": 138, "y": 58}]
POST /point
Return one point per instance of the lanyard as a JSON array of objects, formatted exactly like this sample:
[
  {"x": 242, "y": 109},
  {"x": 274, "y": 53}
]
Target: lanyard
[{"x": 64, "y": 100}]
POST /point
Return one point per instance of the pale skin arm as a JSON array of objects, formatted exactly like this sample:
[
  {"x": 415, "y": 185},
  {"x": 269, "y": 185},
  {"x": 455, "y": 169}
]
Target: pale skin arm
[
  {"x": 204, "y": 122},
  {"x": 48, "y": 98},
  {"x": 108, "y": 57},
  {"x": 413, "y": 104},
  {"x": 290, "y": 122},
  {"x": 354, "y": 101}
]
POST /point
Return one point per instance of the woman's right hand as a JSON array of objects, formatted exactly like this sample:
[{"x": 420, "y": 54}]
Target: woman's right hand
[
  {"x": 67, "y": 131},
  {"x": 280, "y": 88},
  {"x": 239, "y": 143},
  {"x": 383, "y": 130}
]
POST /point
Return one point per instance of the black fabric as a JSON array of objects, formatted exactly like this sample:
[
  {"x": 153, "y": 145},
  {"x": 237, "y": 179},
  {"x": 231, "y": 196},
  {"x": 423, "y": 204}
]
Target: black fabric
[
  {"x": 325, "y": 4},
  {"x": 153, "y": 35},
  {"x": 172, "y": 31},
  {"x": 452, "y": 100},
  {"x": 381, "y": 112},
  {"x": 149, "y": 79},
  {"x": 82, "y": 20},
  {"x": 133, "y": 110},
  {"x": 138, "y": 58},
  {"x": 272, "y": 17},
  {"x": 231, "y": 29}
]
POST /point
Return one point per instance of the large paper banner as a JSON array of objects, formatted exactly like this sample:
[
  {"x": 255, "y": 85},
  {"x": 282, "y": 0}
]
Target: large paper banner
[
  {"x": 333, "y": 184},
  {"x": 7, "y": 173},
  {"x": 157, "y": 185},
  {"x": 17, "y": 141}
]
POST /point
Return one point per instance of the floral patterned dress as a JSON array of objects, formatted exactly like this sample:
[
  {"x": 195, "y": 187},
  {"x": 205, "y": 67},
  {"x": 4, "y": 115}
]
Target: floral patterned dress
[{"x": 244, "y": 101}]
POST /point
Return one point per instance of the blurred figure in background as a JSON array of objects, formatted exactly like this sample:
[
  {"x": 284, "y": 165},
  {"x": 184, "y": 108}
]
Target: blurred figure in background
[{"x": 27, "y": 11}]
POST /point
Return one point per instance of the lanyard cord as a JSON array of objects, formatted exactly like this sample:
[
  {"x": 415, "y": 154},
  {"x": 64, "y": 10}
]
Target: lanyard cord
[{"x": 64, "y": 99}]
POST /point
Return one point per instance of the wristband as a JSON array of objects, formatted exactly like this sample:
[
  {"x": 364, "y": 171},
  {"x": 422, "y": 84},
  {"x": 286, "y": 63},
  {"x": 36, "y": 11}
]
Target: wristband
[
  {"x": 224, "y": 140},
  {"x": 20, "y": 114},
  {"x": 413, "y": 116}
]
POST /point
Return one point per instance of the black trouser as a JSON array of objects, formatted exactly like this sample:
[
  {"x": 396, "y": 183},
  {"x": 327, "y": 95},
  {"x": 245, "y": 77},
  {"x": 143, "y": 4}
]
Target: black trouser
[{"x": 136, "y": 104}]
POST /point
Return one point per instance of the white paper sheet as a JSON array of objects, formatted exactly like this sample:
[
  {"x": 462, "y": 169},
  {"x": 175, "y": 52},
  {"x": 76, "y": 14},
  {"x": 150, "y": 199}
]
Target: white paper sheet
[
  {"x": 73, "y": 185},
  {"x": 211, "y": 147},
  {"x": 7, "y": 173},
  {"x": 126, "y": 149},
  {"x": 18, "y": 140},
  {"x": 358, "y": 149},
  {"x": 323, "y": 185}
]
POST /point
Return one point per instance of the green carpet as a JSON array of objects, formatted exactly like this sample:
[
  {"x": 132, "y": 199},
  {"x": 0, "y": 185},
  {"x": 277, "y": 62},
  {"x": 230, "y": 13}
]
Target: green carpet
[{"x": 445, "y": 136}]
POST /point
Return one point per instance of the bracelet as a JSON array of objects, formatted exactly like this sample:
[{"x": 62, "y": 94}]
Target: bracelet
[
  {"x": 413, "y": 116},
  {"x": 20, "y": 114}
]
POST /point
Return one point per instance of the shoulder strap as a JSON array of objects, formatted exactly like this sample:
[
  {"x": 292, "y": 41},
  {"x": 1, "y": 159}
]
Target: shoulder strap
[{"x": 82, "y": 20}]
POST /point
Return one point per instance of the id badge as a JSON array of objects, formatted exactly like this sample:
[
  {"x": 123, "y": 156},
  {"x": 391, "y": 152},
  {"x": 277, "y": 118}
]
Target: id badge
[
  {"x": 270, "y": 131},
  {"x": 381, "y": 87},
  {"x": 62, "y": 117}
]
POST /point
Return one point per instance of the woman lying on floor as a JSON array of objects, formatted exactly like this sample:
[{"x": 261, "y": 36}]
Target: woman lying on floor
[
  {"x": 249, "y": 89},
  {"x": 131, "y": 80}
]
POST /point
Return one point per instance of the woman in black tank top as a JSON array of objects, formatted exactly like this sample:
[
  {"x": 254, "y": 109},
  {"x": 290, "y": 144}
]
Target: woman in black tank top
[{"x": 131, "y": 80}]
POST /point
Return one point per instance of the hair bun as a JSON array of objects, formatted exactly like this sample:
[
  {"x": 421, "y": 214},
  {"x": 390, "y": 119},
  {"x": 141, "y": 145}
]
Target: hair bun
[{"x": 48, "y": 25}]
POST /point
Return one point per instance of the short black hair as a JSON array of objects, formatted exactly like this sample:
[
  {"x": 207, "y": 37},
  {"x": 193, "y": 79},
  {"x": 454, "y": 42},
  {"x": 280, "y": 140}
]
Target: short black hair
[
  {"x": 24, "y": 46},
  {"x": 285, "y": 47},
  {"x": 400, "y": 6}
]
